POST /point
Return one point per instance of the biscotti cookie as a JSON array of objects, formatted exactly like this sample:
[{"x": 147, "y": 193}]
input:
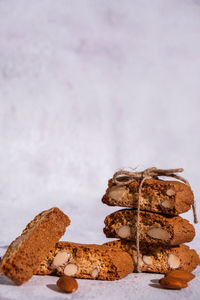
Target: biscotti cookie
[
  {"x": 167, "y": 197},
  {"x": 25, "y": 253},
  {"x": 160, "y": 259},
  {"x": 87, "y": 261},
  {"x": 154, "y": 228}
]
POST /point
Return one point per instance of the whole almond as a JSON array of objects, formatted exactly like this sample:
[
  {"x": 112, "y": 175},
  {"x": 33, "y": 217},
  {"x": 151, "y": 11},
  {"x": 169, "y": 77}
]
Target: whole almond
[
  {"x": 67, "y": 284},
  {"x": 180, "y": 274},
  {"x": 172, "y": 283}
]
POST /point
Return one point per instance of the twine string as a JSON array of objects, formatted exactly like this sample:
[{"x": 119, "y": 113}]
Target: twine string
[
  {"x": 123, "y": 177},
  {"x": 138, "y": 224}
]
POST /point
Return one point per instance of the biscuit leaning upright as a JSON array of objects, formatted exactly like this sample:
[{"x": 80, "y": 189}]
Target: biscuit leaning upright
[{"x": 25, "y": 253}]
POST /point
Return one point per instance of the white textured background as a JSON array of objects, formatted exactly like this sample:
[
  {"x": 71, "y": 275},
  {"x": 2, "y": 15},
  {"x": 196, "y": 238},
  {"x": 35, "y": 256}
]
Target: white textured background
[{"x": 86, "y": 88}]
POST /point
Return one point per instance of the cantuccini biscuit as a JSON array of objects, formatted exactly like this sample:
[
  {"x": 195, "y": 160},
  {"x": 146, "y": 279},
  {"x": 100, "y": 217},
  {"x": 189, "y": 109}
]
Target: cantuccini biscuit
[
  {"x": 154, "y": 228},
  {"x": 87, "y": 261},
  {"x": 167, "y": 197},
  {"x": 25, "y": 253},
  {"x": 160, "y": 259}
]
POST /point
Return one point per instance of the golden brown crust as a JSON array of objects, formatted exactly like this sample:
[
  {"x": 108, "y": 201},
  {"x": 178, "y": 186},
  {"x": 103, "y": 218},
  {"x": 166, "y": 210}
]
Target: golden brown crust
[
  {"x": 189, "y": 259},
  {"x": 111, "y": 263},
  {"x": 179, "y": 229},
  {"x": 154, "y": 192},
  {"x": 25, "y": 253}
]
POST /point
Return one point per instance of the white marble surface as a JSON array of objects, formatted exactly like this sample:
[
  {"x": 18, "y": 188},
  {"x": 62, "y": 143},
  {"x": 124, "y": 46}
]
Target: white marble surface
[
  {"x": 134, "y": 286},
  {"x": 87, "y": 87}
]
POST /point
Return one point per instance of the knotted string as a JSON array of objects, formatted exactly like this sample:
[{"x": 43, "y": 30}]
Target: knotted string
[{"x": 123, "y": 177}]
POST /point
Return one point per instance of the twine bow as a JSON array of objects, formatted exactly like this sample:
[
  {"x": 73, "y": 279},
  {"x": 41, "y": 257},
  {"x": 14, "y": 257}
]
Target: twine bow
[{"x": 123, "y": 177}]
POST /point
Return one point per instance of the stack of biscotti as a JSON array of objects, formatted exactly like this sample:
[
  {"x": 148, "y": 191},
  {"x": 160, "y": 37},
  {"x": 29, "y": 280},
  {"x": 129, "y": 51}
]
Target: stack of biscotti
[{"x": 162, "y": 232}]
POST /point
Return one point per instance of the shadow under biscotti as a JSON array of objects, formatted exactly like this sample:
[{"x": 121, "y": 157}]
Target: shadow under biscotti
[
  {"x": 54, "y": 288},
  {"x": 155, "y": 281},
  {"x": 155, "y": 284},
  {"x": 6, "y": 281}
]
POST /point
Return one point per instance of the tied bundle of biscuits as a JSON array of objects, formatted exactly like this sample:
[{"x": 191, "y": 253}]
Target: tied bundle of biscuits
[{"x": 150, "y": 228}]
